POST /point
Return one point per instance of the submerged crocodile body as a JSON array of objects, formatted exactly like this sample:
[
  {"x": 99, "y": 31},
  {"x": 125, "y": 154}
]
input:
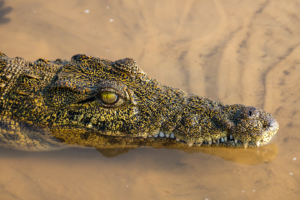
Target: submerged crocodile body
[{"x": 96, "y": 102}]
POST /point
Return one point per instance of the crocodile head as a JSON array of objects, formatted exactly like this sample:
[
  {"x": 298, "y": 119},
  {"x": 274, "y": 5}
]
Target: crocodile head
[{"x": 118, "y": 99}]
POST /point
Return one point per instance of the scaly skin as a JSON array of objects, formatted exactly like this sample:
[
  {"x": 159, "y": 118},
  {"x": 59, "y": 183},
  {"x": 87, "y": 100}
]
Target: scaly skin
[{"x": 96, "y": 102}]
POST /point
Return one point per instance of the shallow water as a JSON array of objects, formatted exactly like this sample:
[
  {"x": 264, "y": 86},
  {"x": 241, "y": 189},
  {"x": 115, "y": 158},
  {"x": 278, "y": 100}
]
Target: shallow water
[{"x": 244, "y": 52}]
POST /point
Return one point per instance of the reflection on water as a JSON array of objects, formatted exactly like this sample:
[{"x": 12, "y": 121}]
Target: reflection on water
[
  {"x": 252, "y": 156},
  {"x": 110, "y": 153},
  {"x": 3, "y": 13}
]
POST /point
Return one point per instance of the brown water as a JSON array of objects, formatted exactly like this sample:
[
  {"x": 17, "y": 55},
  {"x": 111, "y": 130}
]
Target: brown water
[{"x": 243, "y": 52}]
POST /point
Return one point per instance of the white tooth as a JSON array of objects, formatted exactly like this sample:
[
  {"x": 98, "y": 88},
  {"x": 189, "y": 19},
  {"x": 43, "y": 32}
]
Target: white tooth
[
  {"x": 222, "y": 140},
  {"x": 149, "y": 135},
  {"x": 218, "y": 140},
  {"x": 225, "y": 138},
  {"x": 209, "y": 142},
  {"x": 235, "y": 141},
  {"x": 214, "y": 141},
  {"x": 198, "y": 144},
  {"x": 156, "y": 135},
  {"x": 144, "y": 136},
  {"x": 172, "y": 135},
  {"x": 90, "y": 125},
  {"x": 177, "y": 139},
  {"x": 245, "y": 145},
  {"x": 161, "y": 134},
  {"x": 257, "y": 143},
  {"x": 167, "y": 135},
  {"x": 190, "y": 144},
  {"x": 230, "y": 137}
]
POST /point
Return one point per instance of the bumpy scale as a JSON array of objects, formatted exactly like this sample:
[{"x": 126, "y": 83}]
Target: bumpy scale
[{"x": 96, "y": 102}]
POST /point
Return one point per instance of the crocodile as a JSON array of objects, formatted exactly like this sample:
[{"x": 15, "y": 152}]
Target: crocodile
[{"x": 90, "y": 101}]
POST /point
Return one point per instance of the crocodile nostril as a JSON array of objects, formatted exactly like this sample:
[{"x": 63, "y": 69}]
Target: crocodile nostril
[
  {"x": 253, "y": 112},
  {"x": 250, "y": 113}
]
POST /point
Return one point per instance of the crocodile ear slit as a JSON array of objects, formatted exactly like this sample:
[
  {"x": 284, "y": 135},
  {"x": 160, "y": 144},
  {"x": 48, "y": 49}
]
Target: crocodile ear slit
[{"x": 88, "y": 100}]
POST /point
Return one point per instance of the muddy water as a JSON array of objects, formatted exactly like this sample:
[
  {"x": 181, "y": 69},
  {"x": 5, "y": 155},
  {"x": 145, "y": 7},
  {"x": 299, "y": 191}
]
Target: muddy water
[{"x": 243, "y": 52}]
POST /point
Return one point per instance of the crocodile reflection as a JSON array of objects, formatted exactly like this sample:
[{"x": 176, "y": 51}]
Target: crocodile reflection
[{"x": 253, "y": 156}]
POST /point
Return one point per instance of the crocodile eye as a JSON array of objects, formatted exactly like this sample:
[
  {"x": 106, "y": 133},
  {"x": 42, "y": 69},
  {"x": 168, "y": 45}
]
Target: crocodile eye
[{"x": 109, "y": 97}]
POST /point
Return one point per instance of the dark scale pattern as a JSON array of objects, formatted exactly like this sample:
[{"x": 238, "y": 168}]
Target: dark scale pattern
[{"x": 44, "y": 102}]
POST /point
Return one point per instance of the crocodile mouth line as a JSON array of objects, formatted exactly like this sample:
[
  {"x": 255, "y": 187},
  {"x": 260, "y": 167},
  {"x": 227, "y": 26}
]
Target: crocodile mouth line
[
  {"x": 227, "y": 141},
  {"x": 167, "y": 138}
]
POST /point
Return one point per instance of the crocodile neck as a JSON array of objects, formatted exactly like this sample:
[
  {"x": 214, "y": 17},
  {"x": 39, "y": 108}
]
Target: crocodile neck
[{"x": 41, "y": 70}]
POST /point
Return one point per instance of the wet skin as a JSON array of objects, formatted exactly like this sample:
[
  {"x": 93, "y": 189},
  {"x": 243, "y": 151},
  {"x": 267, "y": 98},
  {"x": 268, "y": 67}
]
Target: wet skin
[{"x": 96, "y": 102}]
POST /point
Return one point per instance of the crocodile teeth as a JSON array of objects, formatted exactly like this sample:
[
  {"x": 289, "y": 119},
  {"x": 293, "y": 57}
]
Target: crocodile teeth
[
  {"x": 167, "y": 135},
  {"x": 230, "y": 137},
  {"x": 222, "y": 140},
  {"x": 190, "y": 144},
  {"x": 245, "y": 145},
  {"x": 149, "y": 135},
  {"x": 225, "y": 138},
  {"x": 235, "y": 141},
  {"x": 209, "y": 142},
  {"x": 218, "y": 141},
  {"x": 214, "y": 141},
  {"x": 257, "y": 143},
  {"x": 156, "y": 135},
  {"x": 172, "y": 135},
  {"x": 161, "y": 134},
  {"x": 177, "y": 139}
]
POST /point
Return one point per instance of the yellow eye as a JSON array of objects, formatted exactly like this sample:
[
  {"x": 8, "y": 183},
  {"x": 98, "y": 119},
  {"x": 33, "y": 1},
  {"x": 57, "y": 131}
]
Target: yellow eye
[{"x": 109, "y": 97}]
